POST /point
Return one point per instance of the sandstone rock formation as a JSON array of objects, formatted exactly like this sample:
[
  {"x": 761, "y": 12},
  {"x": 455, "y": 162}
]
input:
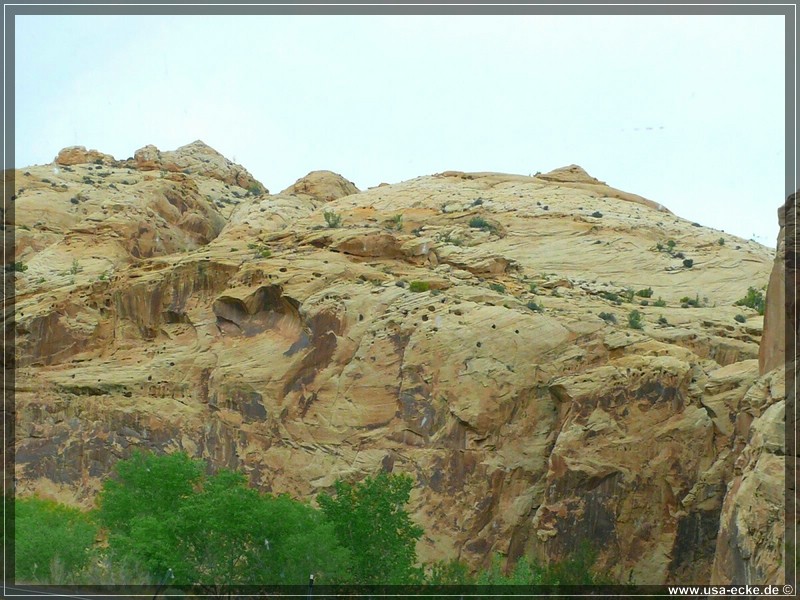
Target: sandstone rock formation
[
  {"x": 322, "y": 185},
  {"x": 196, "y": 158},
  {"x": 79, "y": 155},
  {"x": 176, "y": 313},
  {"x": 757, "y": 519}
]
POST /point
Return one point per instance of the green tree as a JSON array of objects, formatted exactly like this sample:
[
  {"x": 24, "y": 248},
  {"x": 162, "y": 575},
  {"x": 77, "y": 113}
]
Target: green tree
[
  {"x": 51, "y": 541},
  {"x": 163, "y": 512},
  {"x": 754, "y": 299},
  {"x": 371, "y": 521}
]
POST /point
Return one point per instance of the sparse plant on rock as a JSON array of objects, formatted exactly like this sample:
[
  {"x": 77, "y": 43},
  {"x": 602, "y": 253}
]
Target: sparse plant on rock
[
  {"x": 497, "y": 287},
  {"x": 686, "y": 301},
  {"x": 482, "y": 224},
  {"x": 645, "y": 293},
  {"x": 608, "y": 317},
  {"x": 396, "y": 222},
  {"x": 332, "y": 219},
  {"x": 534, "y": 307},
  {"x": 419, "y": 286},
  {"x": 688, "y": 262},
  {"x": 754, "y": 299},
  {"x": 660, "y": 302},
  {"x": 635, "y": 319},
  {"x": 740, "y": 318}
]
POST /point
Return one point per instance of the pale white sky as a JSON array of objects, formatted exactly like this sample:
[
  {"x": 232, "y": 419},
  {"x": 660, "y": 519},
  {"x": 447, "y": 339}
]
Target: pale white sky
[{"x": 685, "y": 110}]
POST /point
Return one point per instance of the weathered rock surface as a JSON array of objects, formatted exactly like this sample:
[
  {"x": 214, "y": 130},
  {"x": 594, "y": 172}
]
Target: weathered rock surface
[
  {"x": 79, "y": 155},
  {"x": 757, "y": 521},
  {"x": 243, "y": 330},
  {"x": 322, "y": 185},
  {"x": 196, "y": 158}
]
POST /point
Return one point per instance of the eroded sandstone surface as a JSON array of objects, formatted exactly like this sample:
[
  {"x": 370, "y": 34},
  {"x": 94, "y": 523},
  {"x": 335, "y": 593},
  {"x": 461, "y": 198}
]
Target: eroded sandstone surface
[{"x": 170, "y": 303}]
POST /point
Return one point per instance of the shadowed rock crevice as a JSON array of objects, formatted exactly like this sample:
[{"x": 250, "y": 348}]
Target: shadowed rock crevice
[{"x": 265, "y": 309}]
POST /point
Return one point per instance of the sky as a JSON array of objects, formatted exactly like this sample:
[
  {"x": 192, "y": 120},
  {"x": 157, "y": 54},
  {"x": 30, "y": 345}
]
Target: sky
[{"x": 684, "y": 110}]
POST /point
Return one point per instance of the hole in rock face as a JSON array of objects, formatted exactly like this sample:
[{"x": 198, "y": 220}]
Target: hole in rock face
[
  {"x": 265, "y": 309},
  {"x": 424, "y": 317}
]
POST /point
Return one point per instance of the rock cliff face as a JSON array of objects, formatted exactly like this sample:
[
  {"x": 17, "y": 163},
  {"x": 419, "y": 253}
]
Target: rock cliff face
[
  {"x": 756, "y": 517},
  {"x": 169, "y": 309}
]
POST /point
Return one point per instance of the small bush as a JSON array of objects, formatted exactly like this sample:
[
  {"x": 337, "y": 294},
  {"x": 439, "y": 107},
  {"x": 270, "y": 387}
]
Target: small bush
[
  {"x": 498, "y": 287},
  {"x": 477, "y": 202},
  {"x": 610, "y": 296},
  {"x": 75, "y": 268},
  {"x": 688, "y": 263},
  {"x": 754, "y": 299},
  {"x": 644, "y": 303},
  {"x": 608, "y": 317},
  {"x": 721, "y": 241},
  {"x": 659, "y": 246},
  {"x": 660, "y": 302},
  {"x": 533, "y": 288},
  {"x": 597, "y": 214},
  {"x": 332, "y": 219},
  {"x": 686, "y": 301},
  {"x": 449, "y": 238},
  {"x": 254, "y": 190},
  {"x": 662, "y": 320},
  {"x": 670, "y": 245},
  {"x": 534, "y": 307},
  {"x": 19, "y": 267},
  {"x": 396, "y": 222},
  {"x": 419, "y": 286},
  {"x": 635, "y": 319},
  {"x": 645, "y": 293},
  {"x": 740, "y": 318},
  {"x": 482, "y": 224}
]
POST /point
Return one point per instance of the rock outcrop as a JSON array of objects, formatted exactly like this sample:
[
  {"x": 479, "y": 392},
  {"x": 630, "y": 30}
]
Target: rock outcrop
[
  {"x": 472, "y": 329},
  {"x": 79, "y": 155},
  {"x": 199, "y": 159},
  {"x": 757, "y": 520},
  {"x": 322, "y": 185}
]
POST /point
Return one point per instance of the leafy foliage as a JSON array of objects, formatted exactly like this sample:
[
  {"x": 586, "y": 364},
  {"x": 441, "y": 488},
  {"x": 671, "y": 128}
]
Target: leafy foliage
[
  {"x": 371, "y": 521},
  {"x": 635, "y": 319},
  {"x": 645, "y": 293},
  {"x": 164, "y": 512},
  {"x": 419, "y": 286},
  {"x": 332, "y": 219},
  {"x": 395, "y": 222},
  {"x": 754, "y": 299},
  {"x": 482, "y": 224},
  {"x": 50, "y": 540},
  {"x": 607, "y": 317}
]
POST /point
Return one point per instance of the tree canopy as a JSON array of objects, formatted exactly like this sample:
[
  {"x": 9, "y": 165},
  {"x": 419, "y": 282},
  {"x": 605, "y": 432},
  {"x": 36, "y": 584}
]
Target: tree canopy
[{"x": 371, "y": 521}]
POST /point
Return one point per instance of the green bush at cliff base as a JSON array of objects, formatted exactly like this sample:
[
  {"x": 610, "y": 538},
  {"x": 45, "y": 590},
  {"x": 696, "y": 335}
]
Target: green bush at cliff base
[{"x": 51, "y": 541}]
